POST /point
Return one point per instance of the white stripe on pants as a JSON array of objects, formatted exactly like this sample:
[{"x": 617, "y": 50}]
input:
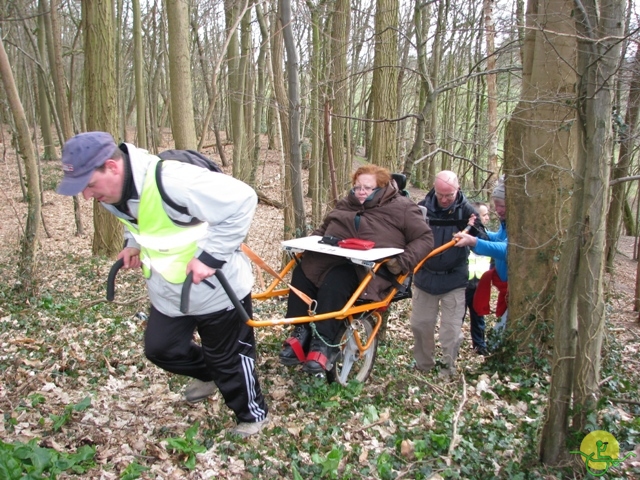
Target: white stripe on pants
[{"x": 424, "y": 316}]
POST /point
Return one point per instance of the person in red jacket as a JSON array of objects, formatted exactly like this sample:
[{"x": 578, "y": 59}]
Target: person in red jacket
[{"x": 373, "y": 210}]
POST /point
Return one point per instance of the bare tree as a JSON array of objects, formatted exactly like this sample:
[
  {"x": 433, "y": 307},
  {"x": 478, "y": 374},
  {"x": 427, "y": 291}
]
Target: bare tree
[
  {"x": 62, "y": 107},
  {"x": 579, "y": 300},
  {"x": 599, "y": 27},
  {"x": 234, "y": 11},
  {"x": 247, "y": 69},
  {"x": 426, "y": 96},
  {"x": 622, "y": 168},
  {"x": 141, "y": 123},
  {"x": 28, "y": 261},
  {"x": 384, "y": 94},
  {"x": 282, "y": 113},
  {"x": 337, "y": 94},
  {"x": 261, "y": 89},
  {"x": 101, "y": 110},
  {"x": 182, "y": 122},
  {"x": 492, "y": 97},
  {"x": 540, "y": 152},
  {"x": 293, "y": 167},
  {"x": 43, "y": 99}
]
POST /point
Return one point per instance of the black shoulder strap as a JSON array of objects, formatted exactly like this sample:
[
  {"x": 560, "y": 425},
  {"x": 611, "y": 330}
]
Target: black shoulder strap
[
  {"x": 447, "y": 222},
  {"x": 166, "y": 199},
  {"x": 457, "y": 222}
]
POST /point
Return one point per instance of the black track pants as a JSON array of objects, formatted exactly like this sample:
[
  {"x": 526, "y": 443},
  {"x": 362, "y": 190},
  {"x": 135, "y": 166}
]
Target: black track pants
[{"x": 227, "y": 355}]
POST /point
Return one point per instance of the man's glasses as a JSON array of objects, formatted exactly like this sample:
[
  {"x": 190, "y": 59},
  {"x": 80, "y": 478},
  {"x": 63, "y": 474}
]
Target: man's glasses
[
  {"x": 363, "y": 188},
  {"x": 446, "y": 196}
]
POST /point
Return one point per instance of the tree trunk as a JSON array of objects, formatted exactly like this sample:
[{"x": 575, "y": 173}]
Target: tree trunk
[
  {"x": 293, "y": 167},
  {"x": 636, "y": 303},
  {"x": 141, "y": 123},
  {"x": 235, "y": 86},
  {"x": 261, "y": 89},
  {"x": 121, "y": 133},
  {"x": 579, "y": 300},
  {"x": 338, "y": 92},
  {"x": 599, "y": 26},
  {"x": 539, "y": 147},
  {"x": 247, "y": 70},
  {"x": 281, "y": 102},
  {"x": 62, "y": 108},
  {"x": 315, "y": 131},
  {"x": 492, "y": 97},
  {"x": 101, "y": 103},
  {"x": 539, "y": 153},
  {"x": 431, "y": 127},
  {"x": 183, "y": 124},
  {"x": 625, "y": 155},
  {"x": 155, "y": 79},
  {"x": 384, "y": 151},
  {"x": 630, "y": 227},
  {"x": 28, "y": 261},
  {"x": 426, "y": 98},
  {"x": 43, "y": 101}
]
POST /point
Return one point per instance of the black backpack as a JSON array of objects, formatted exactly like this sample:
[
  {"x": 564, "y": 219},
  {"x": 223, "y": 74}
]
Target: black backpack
[{"x": 185, "y": 156}]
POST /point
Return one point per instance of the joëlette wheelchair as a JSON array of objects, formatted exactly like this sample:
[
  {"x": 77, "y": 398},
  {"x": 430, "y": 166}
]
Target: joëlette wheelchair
[{"x": 357, "y": 337}]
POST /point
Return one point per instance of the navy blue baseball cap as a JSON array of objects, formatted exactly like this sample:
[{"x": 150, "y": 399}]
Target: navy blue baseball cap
[{"x": 81, "y": 155}]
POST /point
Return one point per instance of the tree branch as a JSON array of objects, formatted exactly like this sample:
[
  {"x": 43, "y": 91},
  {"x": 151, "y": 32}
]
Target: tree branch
[
  {"x": 454, "y": 428},
  {"x": 453, "y": 155},
  {"x": 624, "y": 400},
  {"x": 624, "y": 179}
]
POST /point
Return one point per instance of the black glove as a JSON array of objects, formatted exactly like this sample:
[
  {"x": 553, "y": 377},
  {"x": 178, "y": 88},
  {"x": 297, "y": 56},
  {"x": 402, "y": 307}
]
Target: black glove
[{"x": 393, "y": 266}]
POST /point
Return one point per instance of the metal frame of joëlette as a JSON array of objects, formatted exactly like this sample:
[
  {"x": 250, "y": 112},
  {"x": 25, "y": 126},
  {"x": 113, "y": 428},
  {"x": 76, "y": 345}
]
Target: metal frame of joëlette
[{"x": 350, "y": 309}]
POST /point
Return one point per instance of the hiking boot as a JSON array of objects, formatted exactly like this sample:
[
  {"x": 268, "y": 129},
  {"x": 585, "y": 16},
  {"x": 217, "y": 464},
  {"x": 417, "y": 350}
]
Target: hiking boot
[
  {"x": 447, "y": 372},
  {"x": 246, "y": 429},
  {"x": 481, "y": 351},
  {"x": 295, "y": 348},
  {"x": 421, "y": 369},
  {"x": 321, "y": 357},
  {"x": 197, "y": 390}
]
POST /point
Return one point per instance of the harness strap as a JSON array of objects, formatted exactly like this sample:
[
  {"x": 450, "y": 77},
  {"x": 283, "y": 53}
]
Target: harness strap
[{"x": 255, "y": 258}]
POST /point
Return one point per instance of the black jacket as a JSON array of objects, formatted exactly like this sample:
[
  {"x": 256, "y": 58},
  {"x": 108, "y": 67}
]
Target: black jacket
[{"x": 450, "y": 269}]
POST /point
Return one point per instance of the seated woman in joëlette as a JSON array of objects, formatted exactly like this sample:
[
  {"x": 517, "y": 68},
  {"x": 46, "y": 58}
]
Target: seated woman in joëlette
[{"x": 373, "y": 210}]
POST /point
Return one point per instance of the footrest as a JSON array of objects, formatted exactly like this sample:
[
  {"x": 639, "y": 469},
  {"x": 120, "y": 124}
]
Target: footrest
[
  {"x": 297, "y": 348},
  {"x": 318, "y": 357}
]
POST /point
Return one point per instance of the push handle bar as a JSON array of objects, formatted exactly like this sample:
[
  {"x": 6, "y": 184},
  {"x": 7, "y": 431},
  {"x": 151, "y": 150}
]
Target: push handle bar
[
  {"x": 111, "y": 279},
  {"x": 186, "y": 290}
]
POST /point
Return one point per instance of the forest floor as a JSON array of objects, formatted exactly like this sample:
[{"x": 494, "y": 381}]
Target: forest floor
[{"x": 80, "y": 400}]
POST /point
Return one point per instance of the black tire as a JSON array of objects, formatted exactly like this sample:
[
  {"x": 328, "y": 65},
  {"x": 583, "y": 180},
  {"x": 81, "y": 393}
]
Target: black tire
[{"x": 350, "y": 364}]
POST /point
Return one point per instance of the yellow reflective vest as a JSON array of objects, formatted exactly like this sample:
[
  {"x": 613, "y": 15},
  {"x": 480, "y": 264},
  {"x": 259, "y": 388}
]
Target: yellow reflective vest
[
  {"x": 165, "y": 247},
  {"x": 478, "y": 265}
]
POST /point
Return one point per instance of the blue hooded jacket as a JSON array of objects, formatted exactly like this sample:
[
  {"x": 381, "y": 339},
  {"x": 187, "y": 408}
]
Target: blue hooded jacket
[{"x": 496, "y": 248}]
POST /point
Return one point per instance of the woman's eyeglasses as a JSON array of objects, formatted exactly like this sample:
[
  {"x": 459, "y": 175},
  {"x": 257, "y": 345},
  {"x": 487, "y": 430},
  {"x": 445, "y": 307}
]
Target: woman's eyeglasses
[{"x": 363, "y": 188}]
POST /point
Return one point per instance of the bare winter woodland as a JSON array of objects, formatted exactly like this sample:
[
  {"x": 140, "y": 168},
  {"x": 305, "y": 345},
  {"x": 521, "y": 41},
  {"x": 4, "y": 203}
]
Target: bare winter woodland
[{"x": 69, "y": 344}]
